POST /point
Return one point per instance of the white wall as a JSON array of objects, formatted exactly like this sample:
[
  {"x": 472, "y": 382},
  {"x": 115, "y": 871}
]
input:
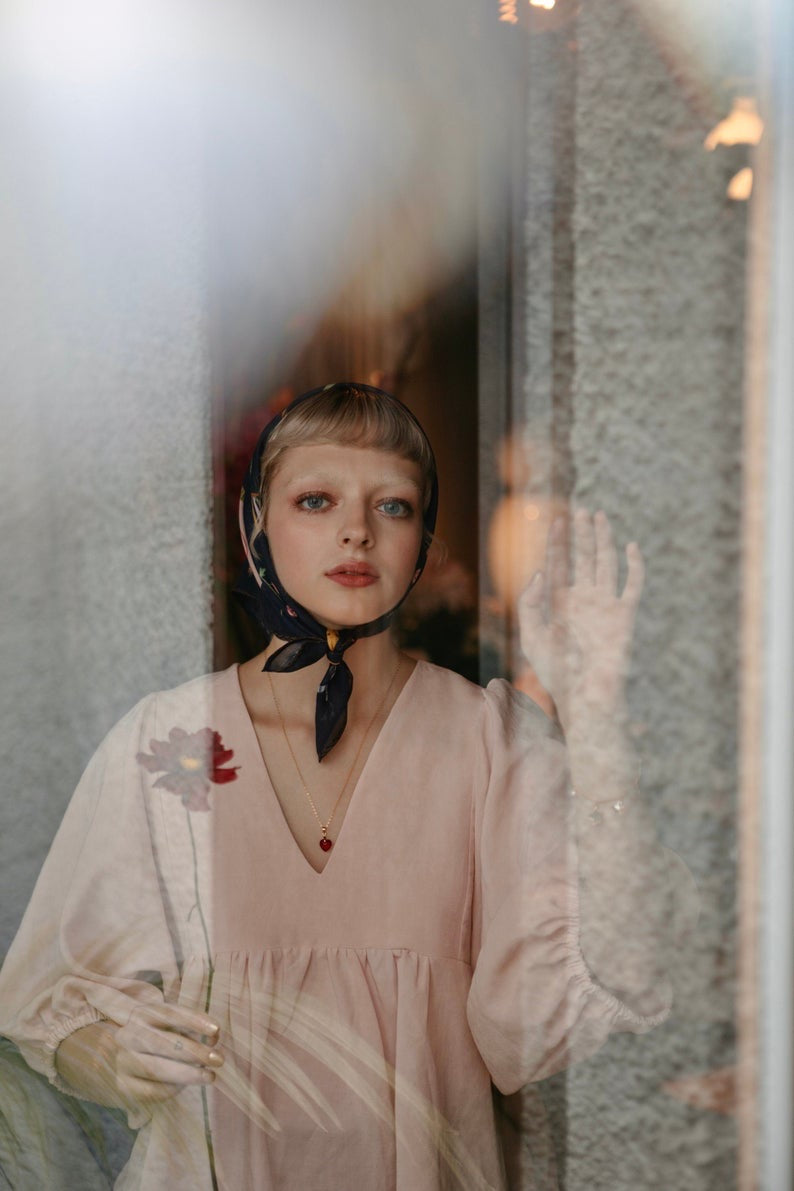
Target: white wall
[{"x": 104, "y": 425}]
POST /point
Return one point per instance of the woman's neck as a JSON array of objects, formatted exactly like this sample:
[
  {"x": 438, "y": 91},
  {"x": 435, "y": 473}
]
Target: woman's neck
[{"x": 372, "y": 662}]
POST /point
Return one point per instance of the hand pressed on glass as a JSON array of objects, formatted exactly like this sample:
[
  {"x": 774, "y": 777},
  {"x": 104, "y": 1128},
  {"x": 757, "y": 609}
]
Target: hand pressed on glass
[{"x": 576, "y": 629}]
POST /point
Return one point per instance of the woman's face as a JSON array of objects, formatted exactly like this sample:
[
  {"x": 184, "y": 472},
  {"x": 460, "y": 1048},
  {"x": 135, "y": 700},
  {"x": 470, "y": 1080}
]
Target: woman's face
[{"x": 345, "y": 527}]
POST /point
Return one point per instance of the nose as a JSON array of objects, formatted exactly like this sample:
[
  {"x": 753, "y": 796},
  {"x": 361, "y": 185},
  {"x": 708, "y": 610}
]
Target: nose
[{"x": 355, "y": 530}]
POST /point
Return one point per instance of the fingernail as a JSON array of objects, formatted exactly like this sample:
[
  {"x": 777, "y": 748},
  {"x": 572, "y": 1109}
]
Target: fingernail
[
  {"x": 536, "y": 578},
  {"x": 215, "y": 1058}
]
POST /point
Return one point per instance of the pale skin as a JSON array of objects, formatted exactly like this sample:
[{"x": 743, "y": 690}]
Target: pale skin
[
  {"x": 330, "y": 504},
  {"x": 368, "y": 510}
]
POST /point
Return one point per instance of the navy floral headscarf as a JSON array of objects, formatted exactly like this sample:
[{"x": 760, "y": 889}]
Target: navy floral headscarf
[{"x": 307, "y": 640}]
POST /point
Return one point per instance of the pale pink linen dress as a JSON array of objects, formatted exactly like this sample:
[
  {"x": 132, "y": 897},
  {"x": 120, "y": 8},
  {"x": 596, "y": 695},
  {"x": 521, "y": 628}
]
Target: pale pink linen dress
[{"x": 365, "y": 1009}]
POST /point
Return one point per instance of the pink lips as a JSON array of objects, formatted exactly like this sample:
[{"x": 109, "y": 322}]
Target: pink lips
[{"x": 353, "y": 574}]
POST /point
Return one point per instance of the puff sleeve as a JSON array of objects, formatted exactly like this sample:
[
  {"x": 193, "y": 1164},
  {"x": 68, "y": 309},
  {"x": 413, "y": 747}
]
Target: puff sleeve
[
  {"x": 95, "y": 940},
  {"x": 534, "y": 1006}
]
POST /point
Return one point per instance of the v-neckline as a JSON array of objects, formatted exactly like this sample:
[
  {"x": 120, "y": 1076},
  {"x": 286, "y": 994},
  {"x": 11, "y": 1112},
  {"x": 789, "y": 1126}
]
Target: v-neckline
[{"x": 341, "y": 834}]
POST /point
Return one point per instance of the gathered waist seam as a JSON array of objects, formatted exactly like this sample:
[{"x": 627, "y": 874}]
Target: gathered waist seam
[{"x": 396, "y": 951}]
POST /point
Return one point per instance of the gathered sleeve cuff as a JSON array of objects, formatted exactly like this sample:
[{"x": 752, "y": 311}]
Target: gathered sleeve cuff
[
  {"x": 55, "y": 1036},
  {"x": 534, "y": 1005}
]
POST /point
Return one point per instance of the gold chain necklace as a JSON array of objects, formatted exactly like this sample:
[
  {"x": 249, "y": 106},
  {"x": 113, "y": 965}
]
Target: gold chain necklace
[{"x": 325, "y": 843}]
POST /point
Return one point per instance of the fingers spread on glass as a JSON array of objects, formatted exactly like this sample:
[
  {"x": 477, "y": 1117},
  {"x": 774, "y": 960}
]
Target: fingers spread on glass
[{"x": 576, "y": 630}]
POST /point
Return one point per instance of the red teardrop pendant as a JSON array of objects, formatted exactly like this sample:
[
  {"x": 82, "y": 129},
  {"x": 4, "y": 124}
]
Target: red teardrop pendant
[{"x": 326, "y": 844}]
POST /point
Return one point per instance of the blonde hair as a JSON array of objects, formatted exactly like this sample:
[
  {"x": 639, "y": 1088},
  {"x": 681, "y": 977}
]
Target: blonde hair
[{"x": 348, "y": 415}]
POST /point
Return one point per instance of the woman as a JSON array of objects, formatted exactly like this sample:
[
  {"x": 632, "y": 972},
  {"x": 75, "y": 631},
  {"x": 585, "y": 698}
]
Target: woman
[{"x": 300, "y": 914}]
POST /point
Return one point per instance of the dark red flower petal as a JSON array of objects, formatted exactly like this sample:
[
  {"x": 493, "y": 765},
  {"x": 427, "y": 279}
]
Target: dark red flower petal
[{"x": 221, "y": 776}]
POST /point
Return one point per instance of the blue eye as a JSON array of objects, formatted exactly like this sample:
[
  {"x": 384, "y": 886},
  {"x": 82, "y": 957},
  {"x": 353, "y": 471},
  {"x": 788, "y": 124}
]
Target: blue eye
[
  {"x": 312, "y": 502},
  {"x": 396, "y": 508}
]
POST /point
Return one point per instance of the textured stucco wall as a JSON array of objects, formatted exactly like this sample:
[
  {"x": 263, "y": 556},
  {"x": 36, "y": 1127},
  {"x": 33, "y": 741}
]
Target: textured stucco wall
[
  {"x": 104, "y": 442},
  {"x": 633, "y": 313},
  {"x": 656, "y": 441}
]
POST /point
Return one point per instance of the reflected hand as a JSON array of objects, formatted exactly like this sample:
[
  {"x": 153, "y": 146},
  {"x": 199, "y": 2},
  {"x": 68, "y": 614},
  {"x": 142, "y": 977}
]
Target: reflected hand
[{"x": 577, "y": 634}]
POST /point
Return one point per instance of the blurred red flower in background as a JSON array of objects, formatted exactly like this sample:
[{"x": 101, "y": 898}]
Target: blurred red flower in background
[{"x": 188, "y": 763}]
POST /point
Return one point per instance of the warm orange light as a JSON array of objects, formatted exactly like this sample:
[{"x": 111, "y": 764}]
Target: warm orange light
[
  {"x": 742, "y": 125},
  {"x": 740, "y": 186},
  {"x": 508, "y": 9}
]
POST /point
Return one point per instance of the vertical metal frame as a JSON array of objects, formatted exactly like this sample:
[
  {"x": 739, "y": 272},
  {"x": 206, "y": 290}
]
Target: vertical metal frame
[
  {"x": 765, "y": 1010},
  {"x": 777, "y": 871}
]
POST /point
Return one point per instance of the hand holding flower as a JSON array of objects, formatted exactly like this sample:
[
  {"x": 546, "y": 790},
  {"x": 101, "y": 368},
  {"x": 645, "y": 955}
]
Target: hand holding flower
[{"x": 158, "y": 1052}]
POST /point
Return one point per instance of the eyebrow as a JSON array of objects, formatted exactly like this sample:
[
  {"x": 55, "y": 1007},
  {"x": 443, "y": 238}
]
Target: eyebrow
[{"x": 322, "y": 477}]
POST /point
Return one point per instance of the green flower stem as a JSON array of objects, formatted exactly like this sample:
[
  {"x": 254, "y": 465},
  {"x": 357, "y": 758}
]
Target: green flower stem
[{"x": 207, "y": 999}]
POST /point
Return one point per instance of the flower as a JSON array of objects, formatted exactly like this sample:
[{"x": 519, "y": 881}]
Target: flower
[{"x": 188, "y": 762}]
